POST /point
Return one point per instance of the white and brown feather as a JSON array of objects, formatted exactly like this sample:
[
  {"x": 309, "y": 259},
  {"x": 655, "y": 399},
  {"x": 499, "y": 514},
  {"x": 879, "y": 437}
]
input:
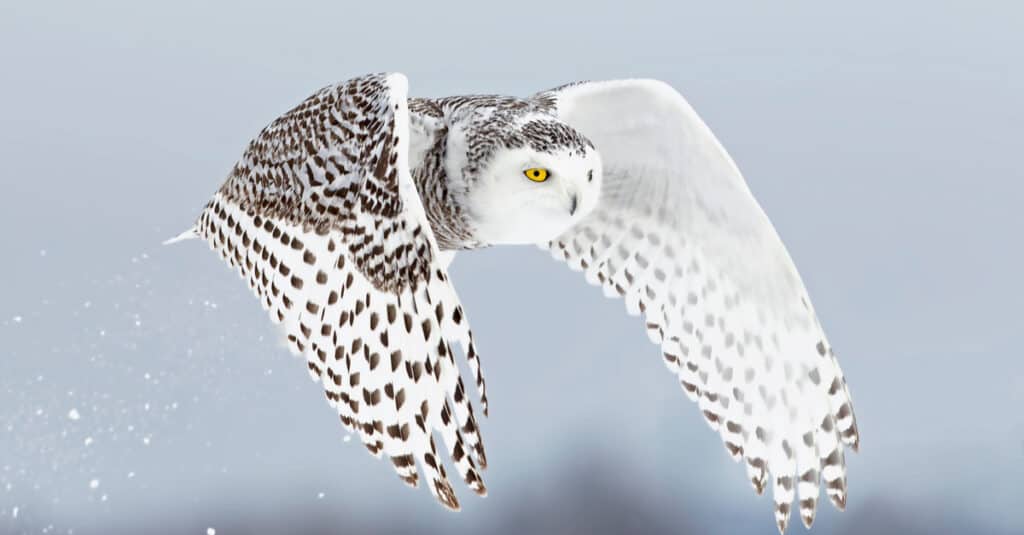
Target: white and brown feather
[{"x": 322, "y": 218}]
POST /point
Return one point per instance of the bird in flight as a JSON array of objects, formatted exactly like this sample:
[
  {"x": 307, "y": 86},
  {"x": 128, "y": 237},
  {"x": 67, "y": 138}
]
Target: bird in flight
[{"x": 344, "y": 213}]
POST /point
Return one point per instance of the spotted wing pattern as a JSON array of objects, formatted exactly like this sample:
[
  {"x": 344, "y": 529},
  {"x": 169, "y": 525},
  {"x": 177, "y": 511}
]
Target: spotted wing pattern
[
  {"x": 322, "y": 219},
  {"x": 678, "y": 235}
]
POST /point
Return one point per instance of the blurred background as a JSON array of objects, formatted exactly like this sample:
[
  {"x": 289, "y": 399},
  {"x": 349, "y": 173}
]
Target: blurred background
[{"x": 142, "y": 390}]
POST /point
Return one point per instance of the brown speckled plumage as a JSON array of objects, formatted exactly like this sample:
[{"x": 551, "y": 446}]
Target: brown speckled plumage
[{"x": 322, "y": 218}]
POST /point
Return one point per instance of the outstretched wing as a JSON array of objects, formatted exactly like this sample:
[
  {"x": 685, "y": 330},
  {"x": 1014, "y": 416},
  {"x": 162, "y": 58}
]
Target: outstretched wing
[
  {"x": 322, "y": 218},
  {"x": 679, "y": 236}
]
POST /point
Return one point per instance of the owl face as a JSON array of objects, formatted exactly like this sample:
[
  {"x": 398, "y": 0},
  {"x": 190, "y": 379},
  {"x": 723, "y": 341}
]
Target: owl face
[{"x": 525, "y": 195}]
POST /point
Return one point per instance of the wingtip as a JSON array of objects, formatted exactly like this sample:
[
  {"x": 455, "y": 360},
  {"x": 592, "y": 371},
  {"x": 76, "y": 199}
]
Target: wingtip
[
  {"x": 187, "y": 235},
  {"x": 782, "y": 517},
  {"x": 839, "y": 500},
  {"x": 446, "y": 495},
  {"x": 808, "y": 508},
  {"x": 481, "y": 456}
]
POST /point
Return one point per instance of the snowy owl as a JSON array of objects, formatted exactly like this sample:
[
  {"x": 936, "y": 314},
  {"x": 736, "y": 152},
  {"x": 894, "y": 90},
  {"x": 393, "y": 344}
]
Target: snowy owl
[{"x": 344, "y": 213}]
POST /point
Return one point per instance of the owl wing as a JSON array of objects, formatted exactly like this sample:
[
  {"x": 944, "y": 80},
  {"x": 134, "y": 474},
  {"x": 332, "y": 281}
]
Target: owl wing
[
  {"x": 321, "y": 217},
  {"x": 679, "y": 236}
]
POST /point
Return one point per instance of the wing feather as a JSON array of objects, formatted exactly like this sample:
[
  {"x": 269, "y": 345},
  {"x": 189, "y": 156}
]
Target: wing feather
[{"x": 321, "y": 217}]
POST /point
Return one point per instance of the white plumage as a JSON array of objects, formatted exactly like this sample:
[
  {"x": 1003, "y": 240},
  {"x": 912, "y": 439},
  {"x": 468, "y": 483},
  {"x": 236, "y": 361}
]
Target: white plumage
[
  {"x": 344, "y": 213},
  {"x": 679, "y": 235}
]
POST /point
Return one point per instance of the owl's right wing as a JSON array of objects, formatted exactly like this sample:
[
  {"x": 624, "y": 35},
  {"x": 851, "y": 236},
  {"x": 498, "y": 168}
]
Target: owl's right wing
[
  {"x": 679, "y": 236},
  {"x": 323, "y": 220}
]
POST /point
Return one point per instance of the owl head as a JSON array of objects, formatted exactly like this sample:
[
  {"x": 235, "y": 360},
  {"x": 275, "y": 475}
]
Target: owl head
[{"x": 527, "y": 176}]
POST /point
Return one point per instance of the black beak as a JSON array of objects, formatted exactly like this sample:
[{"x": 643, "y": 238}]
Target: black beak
[{"x": 573, "y": 205}]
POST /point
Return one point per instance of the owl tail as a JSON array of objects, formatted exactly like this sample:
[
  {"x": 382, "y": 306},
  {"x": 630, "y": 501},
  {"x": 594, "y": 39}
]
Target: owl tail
[{"x": 187, "y": 235}]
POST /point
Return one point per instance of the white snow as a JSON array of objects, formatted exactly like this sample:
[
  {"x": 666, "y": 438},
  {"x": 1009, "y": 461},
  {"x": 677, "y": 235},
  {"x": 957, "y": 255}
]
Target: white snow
[
  {"x": 88, "y": 441},
  {"x": 14, "y": 512},
  {"x": 16, "y": 319},
  {"x": 94, "y": 484},
  {"x": 73, "y": 414},
  {"x": 211, "y": 531}
]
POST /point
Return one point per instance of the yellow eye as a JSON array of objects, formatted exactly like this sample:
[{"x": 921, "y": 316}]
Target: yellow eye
[{"x": 536, "y": 174}]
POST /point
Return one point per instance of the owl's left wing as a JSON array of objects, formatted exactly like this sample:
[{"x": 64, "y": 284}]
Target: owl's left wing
[{"x": 679, "y": 236}]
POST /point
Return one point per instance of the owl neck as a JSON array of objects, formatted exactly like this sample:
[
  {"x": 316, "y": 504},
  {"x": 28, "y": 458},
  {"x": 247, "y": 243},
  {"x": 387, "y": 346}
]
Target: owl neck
[{"x": 440, "y": 202}]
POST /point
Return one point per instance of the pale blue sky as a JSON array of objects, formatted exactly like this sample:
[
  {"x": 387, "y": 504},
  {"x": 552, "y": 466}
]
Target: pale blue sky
[{"x": 882, "y": 138}]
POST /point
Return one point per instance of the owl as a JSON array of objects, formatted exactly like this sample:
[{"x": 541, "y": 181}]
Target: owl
[{"x": 344, "y": 213}]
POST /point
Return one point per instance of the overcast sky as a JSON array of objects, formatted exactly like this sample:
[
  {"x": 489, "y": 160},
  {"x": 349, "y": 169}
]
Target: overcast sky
[{"x": 142, "y": 386}]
